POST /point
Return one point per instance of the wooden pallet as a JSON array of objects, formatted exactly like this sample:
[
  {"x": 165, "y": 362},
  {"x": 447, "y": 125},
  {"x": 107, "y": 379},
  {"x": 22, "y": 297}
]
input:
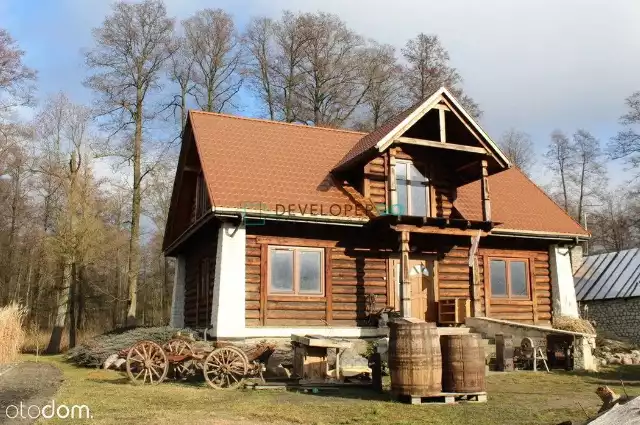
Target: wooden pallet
[
  {"x": 295, "y": 385},
  {"x": 443, "y": 398}
]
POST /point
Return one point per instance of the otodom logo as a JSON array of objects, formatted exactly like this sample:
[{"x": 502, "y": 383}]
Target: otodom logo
[{"x": 48, "y": 411}]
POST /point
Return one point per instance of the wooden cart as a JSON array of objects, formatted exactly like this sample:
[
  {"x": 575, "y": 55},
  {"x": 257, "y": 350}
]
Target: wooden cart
[{"x": 224, "y": 366}]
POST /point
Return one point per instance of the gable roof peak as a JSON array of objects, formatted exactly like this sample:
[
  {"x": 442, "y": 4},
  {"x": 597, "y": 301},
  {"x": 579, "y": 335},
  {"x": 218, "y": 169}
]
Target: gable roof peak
[{"x": 382, "y": 137}]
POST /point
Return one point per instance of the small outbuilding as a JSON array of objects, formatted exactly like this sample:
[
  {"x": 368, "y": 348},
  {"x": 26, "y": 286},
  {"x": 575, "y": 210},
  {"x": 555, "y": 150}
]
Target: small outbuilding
[{"x": 608, "y": 292}]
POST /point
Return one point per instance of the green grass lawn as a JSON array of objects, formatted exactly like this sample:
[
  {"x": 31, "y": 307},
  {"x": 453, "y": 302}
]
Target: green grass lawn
[{"x": 514, "y": 398}]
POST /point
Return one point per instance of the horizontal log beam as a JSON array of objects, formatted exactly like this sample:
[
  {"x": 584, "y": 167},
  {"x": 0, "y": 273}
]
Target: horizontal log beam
[
  {"x": 440, "y": 145},
  {"x": 274, "y": 240},
  {"x": 437, "y": 230}
]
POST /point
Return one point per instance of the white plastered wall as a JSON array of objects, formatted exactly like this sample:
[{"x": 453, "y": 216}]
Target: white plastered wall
[
  {"x": 563, "y": 292},
  {"x": 228, "y": 306}
]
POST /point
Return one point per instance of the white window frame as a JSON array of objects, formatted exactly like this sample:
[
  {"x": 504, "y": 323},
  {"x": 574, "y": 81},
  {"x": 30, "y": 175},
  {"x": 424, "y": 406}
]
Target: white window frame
[
  {"x": 296, "y": 278},
  {"x": 427, "y": 187}
]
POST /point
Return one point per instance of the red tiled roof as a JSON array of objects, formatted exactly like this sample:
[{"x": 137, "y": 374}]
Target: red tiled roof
[
  {"x": 517, "y": 203},
  {"x": 369, "y": 141},
  {"x": 250, "y": 161}
]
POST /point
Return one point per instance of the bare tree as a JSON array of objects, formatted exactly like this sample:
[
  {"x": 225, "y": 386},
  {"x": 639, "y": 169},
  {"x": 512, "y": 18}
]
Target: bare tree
[
  {"x": 333, "y": 83},
  {"x": 290, "y": 38},
  {"x": 15, "y": 205},
  {"x": 614, "y": 225},
  {"x": 259, "y": 43},
  {"x": 16, "y": 79},
  {"x": 518, "y": 147},
  {"x": 181, "y": 72},
  {"x": 384, "y": 99},
  {"x": 275, "y": 52},
  {"x": 559, "y": 158},
  {"x": 428, "y": 69},
  {"x": 588, "y": 172},
  {"x": 127, "y": 61},
  {"x": 215, "y": 49},
  {"x": 627, "y": 143}
]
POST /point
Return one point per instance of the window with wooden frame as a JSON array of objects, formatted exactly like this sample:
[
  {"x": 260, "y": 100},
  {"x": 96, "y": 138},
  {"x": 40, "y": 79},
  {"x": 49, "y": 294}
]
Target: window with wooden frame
[
  {"x": 412, "y": 187},
  {"x": 509, "y": 277},
  {"x": 296, "y": 270}
]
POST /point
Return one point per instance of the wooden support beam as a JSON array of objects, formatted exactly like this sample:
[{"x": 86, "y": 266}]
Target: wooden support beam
[
  {"x": 264, "y": 254},
  {"x": 393, "y": 194},
  {"x": 532, "y": 287},
  {"x": 487, "y": 286},
  {"x": 279, "y": 240},
  {"x": 471, "y": 130},
  {"x": 191, "y": 169},
  {"x": 486, "y": 202},
  {"x": 434, "y": 230},
  {"x": 443, "y": 127},
  {"x": 441, "y": 107},
  {"x": 440, "y": 145},
  {"x": 405, "y": 284},
  {"x": 477, "y": 299},
  {"x": 465, "y": 167},
  {"x": 328, "y": 283}
]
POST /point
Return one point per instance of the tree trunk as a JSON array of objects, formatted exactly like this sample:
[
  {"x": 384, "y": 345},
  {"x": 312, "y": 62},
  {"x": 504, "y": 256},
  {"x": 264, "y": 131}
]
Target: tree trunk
[
  {"x": 73, "y": 293},
  {"x": 134, "y": 248},
  {"x": 62, "y": 310},
  {"x": 115, "y": 313},
  {"x": 564, "y": 190},
  {"x": 81, "y": 301},
  {"x": 10, "y": 272}
]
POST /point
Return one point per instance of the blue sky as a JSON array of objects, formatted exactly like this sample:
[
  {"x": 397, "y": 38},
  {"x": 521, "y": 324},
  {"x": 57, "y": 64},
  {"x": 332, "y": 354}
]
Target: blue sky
[{"x": 533, "y": 65}]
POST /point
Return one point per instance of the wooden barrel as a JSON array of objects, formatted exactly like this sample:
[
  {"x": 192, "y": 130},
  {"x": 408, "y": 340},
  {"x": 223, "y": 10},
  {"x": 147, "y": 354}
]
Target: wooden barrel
[
  {"x": 415, "y": 363},
  {"x": 463, "y": 363}
]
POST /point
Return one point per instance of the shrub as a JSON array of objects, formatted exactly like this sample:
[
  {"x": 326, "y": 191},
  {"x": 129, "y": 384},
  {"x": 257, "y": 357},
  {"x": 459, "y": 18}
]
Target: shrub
[
  {"x": 11, "y": 332},
  {"x": 94, "y": 351}
]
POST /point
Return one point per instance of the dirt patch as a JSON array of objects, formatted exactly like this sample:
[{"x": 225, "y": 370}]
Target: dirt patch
[{"x": 29, "y": 383}]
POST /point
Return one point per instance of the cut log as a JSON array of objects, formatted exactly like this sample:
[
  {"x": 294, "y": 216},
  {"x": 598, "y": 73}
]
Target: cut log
[{"x": 110, "y": 361}]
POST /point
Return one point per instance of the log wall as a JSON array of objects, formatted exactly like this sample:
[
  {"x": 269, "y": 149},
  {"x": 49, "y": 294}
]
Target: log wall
[
  {"x": 199, "y": 278},
  {"x": 354, "y": 273},
  {"x": 537, "y": 309},
  {"x": 376, "y": 181},
  {"x": 457, "y": 280},
  {"x": 352, "y": 276}
]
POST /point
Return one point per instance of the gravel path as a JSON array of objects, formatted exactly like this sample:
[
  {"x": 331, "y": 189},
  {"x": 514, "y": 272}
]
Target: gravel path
[{"x": 28, "y": 383}]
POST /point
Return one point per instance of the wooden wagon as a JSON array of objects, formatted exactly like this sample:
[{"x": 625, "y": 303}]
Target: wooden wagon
[{"x": 223, "y": 366}]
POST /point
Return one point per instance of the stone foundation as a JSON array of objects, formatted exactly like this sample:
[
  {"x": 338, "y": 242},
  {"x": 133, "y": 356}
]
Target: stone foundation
[
  {"x": 584, "y": 343},
  {"x": 618, "y": 317}
]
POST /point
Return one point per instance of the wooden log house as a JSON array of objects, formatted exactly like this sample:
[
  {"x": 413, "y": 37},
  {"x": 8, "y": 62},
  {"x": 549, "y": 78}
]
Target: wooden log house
[{"x": 282, "y": 228}]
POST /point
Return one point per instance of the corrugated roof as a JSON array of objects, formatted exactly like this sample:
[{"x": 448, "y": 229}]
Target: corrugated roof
[{"x": 607, "y": 276}]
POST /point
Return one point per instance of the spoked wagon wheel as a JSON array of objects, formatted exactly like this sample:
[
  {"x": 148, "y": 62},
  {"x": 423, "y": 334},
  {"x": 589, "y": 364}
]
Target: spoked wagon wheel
[
  {"x": 225, "y": 367},
  {"x": 147, "y": 363},
  {"x": 182, "y": 352}
]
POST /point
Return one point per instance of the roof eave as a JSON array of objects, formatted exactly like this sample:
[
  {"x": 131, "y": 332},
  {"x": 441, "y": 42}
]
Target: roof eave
[{"x": 540, "y": 234}]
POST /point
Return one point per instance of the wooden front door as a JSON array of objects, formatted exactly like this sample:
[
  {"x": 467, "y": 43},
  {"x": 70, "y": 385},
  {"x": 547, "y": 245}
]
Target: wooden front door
[{"x": 423, "y": 289}]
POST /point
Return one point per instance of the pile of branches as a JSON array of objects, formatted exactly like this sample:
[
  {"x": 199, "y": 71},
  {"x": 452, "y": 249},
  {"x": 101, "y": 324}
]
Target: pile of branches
[
  {"x": 94, "y": 352},
  {"x": 573, "y": 324}
]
